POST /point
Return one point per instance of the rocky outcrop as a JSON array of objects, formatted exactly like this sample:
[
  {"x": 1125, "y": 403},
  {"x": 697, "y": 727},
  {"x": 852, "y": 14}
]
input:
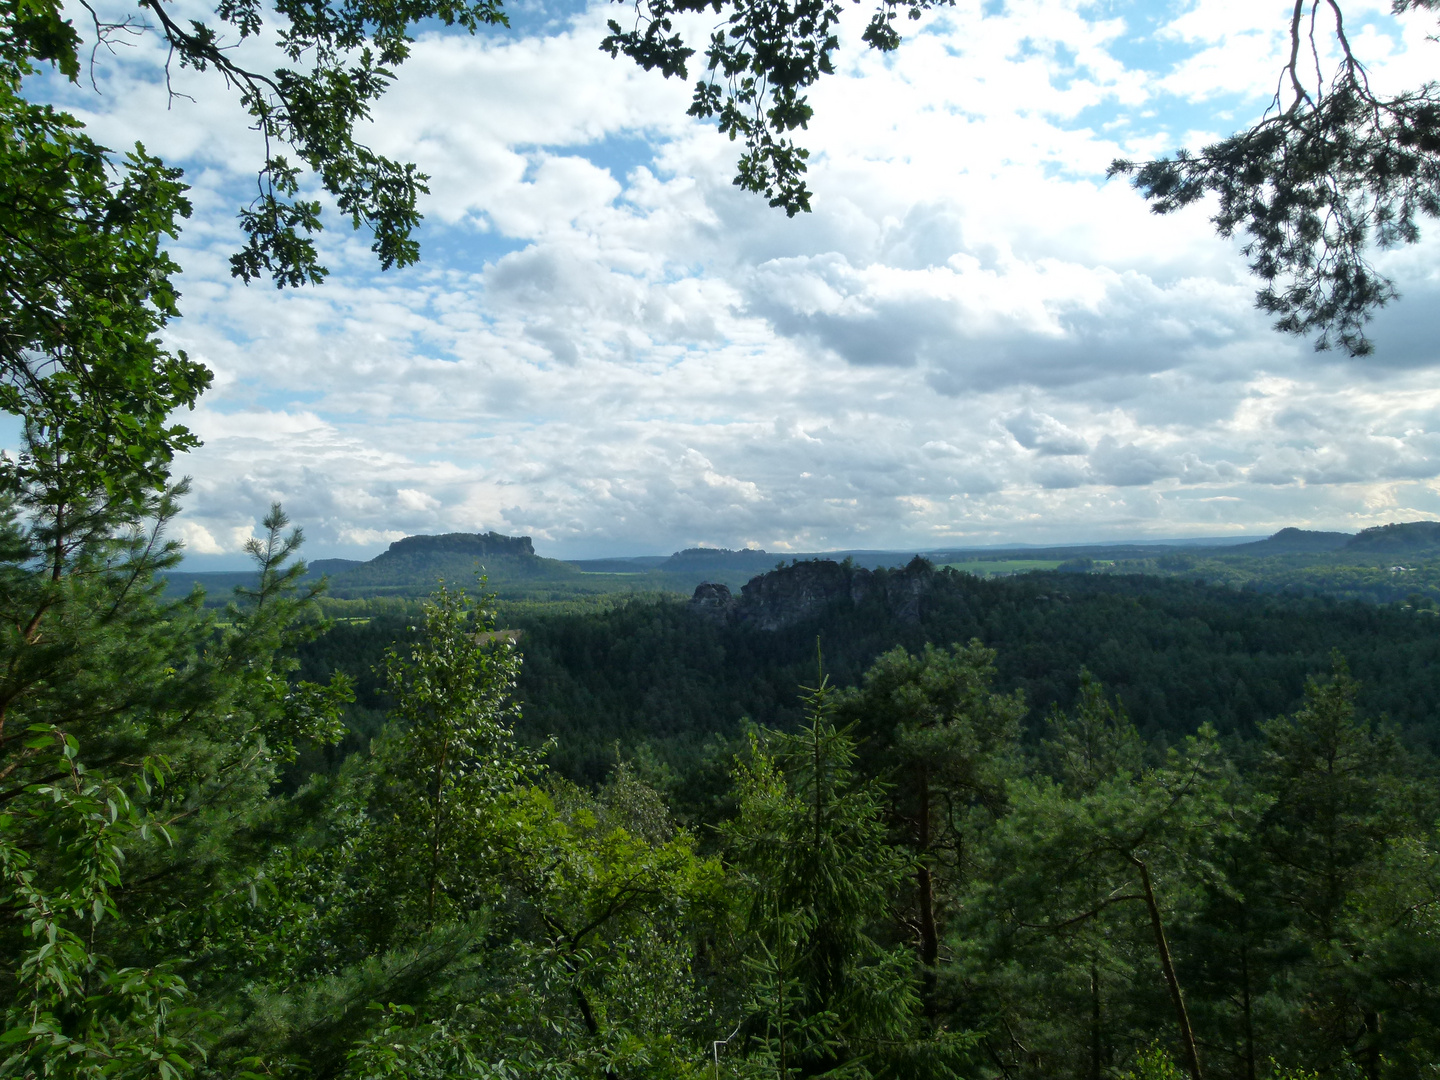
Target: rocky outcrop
[
  {"x": 474, "y": 544},
  {"x": 793, "y": 593},
  {"x": 712, "y": 600}
]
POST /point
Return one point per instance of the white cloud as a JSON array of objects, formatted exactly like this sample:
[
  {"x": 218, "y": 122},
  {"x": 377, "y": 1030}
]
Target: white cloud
[
  {"x": 1044, "y": 434},
  {"x": 974, "y": 337}
]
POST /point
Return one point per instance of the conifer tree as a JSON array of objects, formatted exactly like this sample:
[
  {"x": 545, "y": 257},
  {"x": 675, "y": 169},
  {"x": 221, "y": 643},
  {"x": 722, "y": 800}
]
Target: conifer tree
[
  {"x": 945, "y": 742},
  {"x": 140, "y": 738},
  {"x": 1094, "y": 870},
  {"x": 829, "y": 996},
  {"x": 1349, "y": 823}
]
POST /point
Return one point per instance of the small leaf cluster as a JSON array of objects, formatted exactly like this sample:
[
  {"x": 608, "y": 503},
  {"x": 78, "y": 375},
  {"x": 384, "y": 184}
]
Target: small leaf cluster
[{"x": 760, "y": 60}]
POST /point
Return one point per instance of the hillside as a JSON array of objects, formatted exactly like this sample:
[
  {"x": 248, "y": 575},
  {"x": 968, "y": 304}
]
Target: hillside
[
  {"x": 1387, "y": 564},
  {"x": 1398, "y": 539},
  {"x": 1295, "y": 541},
  {"x": 417, "y": 564},
  {"x": 412, "y": 568},
  {"x": 674, "y": 673}
]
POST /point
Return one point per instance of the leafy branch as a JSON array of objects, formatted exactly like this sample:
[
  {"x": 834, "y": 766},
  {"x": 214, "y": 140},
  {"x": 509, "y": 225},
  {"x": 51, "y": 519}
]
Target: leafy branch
[
  {"x": 759, "y": 62},
  {"x": 1331, "y": 173}
]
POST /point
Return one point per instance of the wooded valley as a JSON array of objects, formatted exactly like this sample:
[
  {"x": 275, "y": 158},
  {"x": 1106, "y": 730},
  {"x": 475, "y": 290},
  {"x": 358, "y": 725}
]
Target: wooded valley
[
  {"x": 1053, "y": 825},
  {"x": 1140, "y": 816}
]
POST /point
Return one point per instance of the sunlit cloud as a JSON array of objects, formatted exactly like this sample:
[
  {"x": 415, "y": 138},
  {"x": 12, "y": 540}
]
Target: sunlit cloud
[{"x": 974, "y": 338}]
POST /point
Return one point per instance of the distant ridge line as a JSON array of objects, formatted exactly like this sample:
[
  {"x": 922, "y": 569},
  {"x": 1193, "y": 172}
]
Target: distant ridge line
[{"x": 459, "y": 543}]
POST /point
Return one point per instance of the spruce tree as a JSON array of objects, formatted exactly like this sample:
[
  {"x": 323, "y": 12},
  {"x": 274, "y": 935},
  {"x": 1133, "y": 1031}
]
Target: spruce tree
[
  {"x": 945, "y": 741},
  {"x": 829, "y": 995}
]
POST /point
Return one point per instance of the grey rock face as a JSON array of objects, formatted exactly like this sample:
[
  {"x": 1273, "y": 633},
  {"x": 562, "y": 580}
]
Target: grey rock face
[
  {"x": 772, "y": 600},
  {"x": 793, "y": 593},
  {"x": 478, "y": 544},
  {"x": 712, "y": 600}
]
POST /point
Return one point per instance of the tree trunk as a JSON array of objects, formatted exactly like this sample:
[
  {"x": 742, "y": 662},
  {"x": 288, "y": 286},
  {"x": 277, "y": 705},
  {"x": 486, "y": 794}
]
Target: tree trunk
[
  {"x": 1249, "y": 1020},
  {"x": 1094, "y": 1020},
  {"x": 925, "y": 882},
  {"x": 1162, "y": 947},
  {"x": 586, "y": 1013},
  {"x": 1371, "y": 1055}
]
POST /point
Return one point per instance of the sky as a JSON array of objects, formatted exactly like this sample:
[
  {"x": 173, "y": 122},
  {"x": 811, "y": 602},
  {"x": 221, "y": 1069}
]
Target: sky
[{"x": 974, "y": 339}]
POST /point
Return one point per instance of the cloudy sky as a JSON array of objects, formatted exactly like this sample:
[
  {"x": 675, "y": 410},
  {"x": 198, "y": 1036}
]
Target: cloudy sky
[{"x": 974, "y": 339}]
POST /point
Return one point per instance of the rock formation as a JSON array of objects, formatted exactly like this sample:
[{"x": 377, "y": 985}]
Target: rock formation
[
  {"x": 792, "y": 593},
  {"x": 476, "y": 544}
]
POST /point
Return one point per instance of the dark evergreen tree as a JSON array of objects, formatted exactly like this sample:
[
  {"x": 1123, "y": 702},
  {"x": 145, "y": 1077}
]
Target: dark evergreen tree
[
  {"x": 1347, "y": 814},
  {"x": 829, "y": 996},
  {"x": 945, "y": 743}
]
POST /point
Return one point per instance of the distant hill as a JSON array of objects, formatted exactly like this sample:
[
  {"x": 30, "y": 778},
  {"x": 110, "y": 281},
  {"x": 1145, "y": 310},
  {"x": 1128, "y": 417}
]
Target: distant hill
[
  {"x": 322, "y": 567},
  {"x": 416, "y": 564},
  {"x": 1293, "y": 559},
  {"x": 219, "y": 585},
  {"x": 625, "y": 564},
  {"x": 1401, "y": 538},
  {"x": 704, "y": 560},
  {"x": 1295, "y": 542}
]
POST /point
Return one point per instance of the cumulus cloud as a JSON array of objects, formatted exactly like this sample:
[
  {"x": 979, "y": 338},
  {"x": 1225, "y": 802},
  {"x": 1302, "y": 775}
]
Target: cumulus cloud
[
  {"x": 1043, "y": 433},
  {"x": 975, "y": 337}
]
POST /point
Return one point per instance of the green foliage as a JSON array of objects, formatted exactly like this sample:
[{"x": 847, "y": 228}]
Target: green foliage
[
  {"x": 73, "y": 1013},
  {"x": 827, "y": 997},
  {"x": 139, "y": 737},
  {"x": 1409, "y": 578},
  {"x": 1332, "y": 171},
  {"x": 1072, "y": 863},
  {"x": 947, "y": 743},
  {"x": 510, "y": 923},
  {"x": 1152, "y": 1063},
  {"x": 759, "y": 63},
  {"x": 338, "y": 59},
  {"x": 180, "y": 896},
  {"x": 178, "y": 720},
  {"x": 443, "y": 904},
  {"x": 1349, "y": 824},
  {"x": 453, "y": 762},
  {"x": 85, "y": 287}
]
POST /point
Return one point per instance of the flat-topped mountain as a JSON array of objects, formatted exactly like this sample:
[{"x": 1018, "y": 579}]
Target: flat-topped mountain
[
  {"x": 419, "y": 563},
  {"x": 446, "y": 544},
  {"x": 446, "y": 553}
]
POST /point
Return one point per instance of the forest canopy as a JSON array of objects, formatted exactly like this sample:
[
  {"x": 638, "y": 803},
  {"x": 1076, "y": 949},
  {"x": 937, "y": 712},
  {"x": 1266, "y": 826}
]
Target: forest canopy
[{"x": 896, "y": 885}]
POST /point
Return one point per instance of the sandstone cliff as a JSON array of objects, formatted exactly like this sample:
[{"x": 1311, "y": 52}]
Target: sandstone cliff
[{"x": 792, "y": 593}]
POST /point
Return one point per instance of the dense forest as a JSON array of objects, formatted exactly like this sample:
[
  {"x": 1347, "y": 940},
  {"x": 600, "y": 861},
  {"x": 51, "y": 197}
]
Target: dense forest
[
  {"x": 921, "y": 855},
  {"x": 656, "y": 675},
  {"x": 854, "y": 823}
]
